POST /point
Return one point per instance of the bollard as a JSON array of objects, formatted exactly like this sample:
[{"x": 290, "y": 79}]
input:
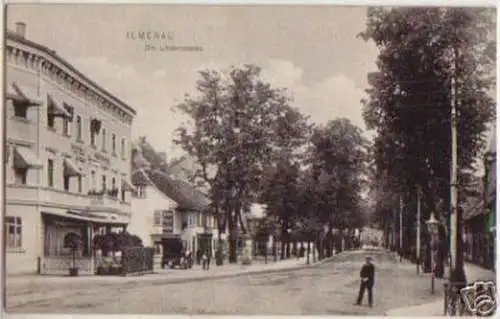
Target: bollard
[{"x": 445, "y": 298}]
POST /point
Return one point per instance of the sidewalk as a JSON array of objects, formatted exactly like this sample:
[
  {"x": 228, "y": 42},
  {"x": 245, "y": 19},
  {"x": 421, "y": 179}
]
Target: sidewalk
[
  {"x": 436, "y": 308},
  {"x": 34, "y": 288}
]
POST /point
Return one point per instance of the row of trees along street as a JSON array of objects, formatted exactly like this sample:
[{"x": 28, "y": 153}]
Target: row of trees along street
[
  {"x": 253, "y": 146},
  {"x": 409, "y": 107}
]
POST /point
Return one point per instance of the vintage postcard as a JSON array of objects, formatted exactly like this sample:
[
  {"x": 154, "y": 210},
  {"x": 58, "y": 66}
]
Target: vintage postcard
[{"x": 249, "y": 160}]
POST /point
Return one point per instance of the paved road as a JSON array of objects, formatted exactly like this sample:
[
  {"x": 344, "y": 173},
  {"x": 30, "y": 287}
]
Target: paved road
[{"x": 327, "y": 289}]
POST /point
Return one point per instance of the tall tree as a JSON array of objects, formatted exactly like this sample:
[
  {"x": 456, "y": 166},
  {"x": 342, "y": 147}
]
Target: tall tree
[
  {"x": 338, "y": 168},
  {"x": 239, "y": 123},
  {"x": 410, "y": 96}
]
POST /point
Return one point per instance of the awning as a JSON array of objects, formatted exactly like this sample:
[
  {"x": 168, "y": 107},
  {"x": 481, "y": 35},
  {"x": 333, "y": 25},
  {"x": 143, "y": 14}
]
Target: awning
[
  {"x": 12, "y": 94},
  {"x": 127, "y": 185},
  {"x": 70, "y": 110},
  {"x": 105, "y": 219},
  {"x": 26, "y": 94},
  {"x": 56, "y": 109},
  {"x": 25, "y": 158},
  {"x": 70, "y": 169}
]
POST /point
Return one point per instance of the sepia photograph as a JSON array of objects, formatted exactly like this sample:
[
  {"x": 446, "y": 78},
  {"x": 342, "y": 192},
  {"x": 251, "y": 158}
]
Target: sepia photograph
[{"x": 181, "y": 159}]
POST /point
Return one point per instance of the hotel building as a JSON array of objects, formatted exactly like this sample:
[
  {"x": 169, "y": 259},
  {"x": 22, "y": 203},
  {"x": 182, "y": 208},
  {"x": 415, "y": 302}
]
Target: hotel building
[{"x": 67, "y": 158}]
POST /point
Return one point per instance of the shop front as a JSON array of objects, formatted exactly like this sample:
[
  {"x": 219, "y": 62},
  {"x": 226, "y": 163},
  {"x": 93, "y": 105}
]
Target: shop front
[{"x": 59, "y": 226}]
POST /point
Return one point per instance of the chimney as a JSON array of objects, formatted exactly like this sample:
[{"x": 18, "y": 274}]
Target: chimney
[{"x": 21, "y": 29}]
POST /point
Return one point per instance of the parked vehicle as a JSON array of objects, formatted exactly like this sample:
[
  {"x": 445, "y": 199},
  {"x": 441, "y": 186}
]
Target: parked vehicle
[{"x": 174, "y": 254}]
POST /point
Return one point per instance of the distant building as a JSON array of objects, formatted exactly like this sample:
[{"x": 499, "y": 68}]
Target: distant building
[
  {"x": 480, "y": 215},
  {"x": 165, "y": 207},
  {"x": 67, "y": 158}
]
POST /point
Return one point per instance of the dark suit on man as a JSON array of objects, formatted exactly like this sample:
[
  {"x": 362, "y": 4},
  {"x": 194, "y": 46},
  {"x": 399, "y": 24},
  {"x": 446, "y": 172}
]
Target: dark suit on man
[{"x": 367, "y": 275}]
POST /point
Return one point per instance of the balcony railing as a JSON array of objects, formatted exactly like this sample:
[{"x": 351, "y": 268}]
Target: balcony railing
[{"x": 26, "y": 194}]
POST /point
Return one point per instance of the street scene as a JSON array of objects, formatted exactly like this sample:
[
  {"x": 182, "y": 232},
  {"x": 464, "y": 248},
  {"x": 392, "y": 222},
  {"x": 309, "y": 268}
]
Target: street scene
[{"x": 323, "y": 161}]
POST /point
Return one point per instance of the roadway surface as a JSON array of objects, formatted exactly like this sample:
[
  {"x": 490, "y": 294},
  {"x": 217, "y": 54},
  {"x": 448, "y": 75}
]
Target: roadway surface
[{"x": 330, "y": 288}]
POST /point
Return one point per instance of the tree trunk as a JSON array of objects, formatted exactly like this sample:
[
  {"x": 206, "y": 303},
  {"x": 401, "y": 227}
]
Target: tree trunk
[
  {"x": 287, "y": 247},
  {"x": 275, "y": 250},
  {"x": 308, "y": 251},
  {"x": 282, "y": 251},
  {"x": 232, "y": 238},
  {"x": 441, "y": 254}
]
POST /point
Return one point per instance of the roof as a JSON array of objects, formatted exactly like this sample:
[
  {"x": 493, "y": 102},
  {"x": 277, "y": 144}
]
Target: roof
[
  {"x": 139, "y": 178},
  {"x": 11, "y": 35},
  {"x": 185, "y": 194},
  {"x": 149, "y": 154}
]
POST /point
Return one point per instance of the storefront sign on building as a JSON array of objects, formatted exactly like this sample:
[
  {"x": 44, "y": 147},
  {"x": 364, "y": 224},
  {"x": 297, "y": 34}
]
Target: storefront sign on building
[{"x": 168, "y": 222}]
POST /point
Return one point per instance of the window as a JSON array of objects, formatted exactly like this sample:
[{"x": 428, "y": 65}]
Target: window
[
  {"x": 51, "y": 123},
  {"x": 157, "y": 249},
  {"x": 157, "y": 219},
  {"x": 103, "y": 142},
  {"x": 190, "y": 220},
  {"x": 14, "y": 232},
  {"x": 78, "y": 128},
  {"x": 50, "y": 173},
  {"x": 66, "y": 126},
  {"x": 123, "y": 194},
  {"x": 122, "y": 148},
  {"x": 103, "y": 182},
  {"x": 66, "y": 180},
  {"x": 20, "y": 110},
  {"x": 21, "y": 174},
  {"x": 113, "y": 183},
  {"x": 92, "y": 180},
  {"x": 141, "y": 191},
  {"x": 113, "y": 143},
  {"x": 80, "y": 183},
  {"x": 198, "y": 219},
  {"x": 93, "y": 134}
]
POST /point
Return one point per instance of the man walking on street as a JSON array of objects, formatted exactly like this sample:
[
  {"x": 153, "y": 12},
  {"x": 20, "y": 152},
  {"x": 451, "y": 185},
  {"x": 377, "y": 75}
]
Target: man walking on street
[{"x": 367, "y": 275}]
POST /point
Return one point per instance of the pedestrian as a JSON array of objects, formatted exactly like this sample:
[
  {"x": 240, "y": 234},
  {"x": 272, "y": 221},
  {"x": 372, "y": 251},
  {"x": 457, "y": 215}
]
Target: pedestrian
[
  {"x": 209, "y": 255},
  {"x": 204, "y": 259},
  {"x": 367, "y": 275},
  {"x": 198, "y": 256}
]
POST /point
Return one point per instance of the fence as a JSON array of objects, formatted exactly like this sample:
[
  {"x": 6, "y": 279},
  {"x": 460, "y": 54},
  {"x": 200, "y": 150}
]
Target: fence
[
  {"x": 60, "y": 265},
  {"x": 137, "y": 260},
  {"x": 453, "y": 302}
]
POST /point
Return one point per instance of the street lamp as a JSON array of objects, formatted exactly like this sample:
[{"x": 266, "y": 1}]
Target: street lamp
[
  {"x": 289, "y": 233},
  {"x": 433, "y": 227}
]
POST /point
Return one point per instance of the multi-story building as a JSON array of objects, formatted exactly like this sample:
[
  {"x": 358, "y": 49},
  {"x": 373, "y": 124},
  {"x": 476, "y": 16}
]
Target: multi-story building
[
  {"x": 67, "y": 163},
  {"x": 480, "y": 215},
  {"x": 165, "y": 207}
]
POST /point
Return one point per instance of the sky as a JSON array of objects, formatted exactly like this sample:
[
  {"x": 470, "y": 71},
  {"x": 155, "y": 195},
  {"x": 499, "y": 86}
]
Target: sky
[{"x": 311, "y": 51}]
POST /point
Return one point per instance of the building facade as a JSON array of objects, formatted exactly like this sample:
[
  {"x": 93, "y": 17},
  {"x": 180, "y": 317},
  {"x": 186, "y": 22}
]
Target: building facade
[
  {"x": 67, "y": 163},
  {"x": 480, "y": 216},
  {"x": 165, "y": 207}
]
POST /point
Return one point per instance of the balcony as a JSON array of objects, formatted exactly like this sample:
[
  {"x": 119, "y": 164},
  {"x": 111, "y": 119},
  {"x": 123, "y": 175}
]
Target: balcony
[
  {"x": 23, "y": 194},
  {"x": 101, "y": 200}
]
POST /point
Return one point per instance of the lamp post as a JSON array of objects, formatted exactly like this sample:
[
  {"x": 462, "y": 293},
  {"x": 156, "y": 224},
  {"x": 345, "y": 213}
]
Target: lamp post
[
  {"x": 433, "y": 227},
  {"x": 418, "y": 231},
  {"x": 457, "y": 276},
  {"x": 400, "y": 228}
]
